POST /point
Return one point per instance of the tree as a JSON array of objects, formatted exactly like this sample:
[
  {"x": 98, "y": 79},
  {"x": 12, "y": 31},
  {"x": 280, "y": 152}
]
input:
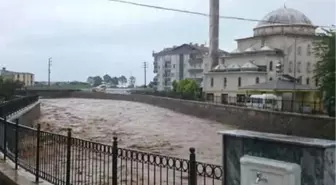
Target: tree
[
  {"x": 175, "y": 84},
  {"x": 152, "y": 84},
  {"x": 107, "y": 78},
  {"x": 132, "y": 81},
  {"x": 122, "y": 79},
  {"x": 97, "y": 80},
  {"x": 188, "y": 89},
  {"x": 324, "y": 50},
  {"x": 115, "y": 80},
  {"x": 8, "y": 87},
  {"x": 90, "y": 80}
]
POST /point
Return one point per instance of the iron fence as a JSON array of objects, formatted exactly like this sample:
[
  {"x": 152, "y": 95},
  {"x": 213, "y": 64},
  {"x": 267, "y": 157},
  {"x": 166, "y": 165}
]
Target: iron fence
[{"x": 65, "y": 160}]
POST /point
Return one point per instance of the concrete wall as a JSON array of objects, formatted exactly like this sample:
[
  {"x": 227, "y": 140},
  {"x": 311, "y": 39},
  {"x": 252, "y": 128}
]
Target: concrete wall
[
  {"x": 243, "y": 118},
  {"x": 28, "y": 116}
]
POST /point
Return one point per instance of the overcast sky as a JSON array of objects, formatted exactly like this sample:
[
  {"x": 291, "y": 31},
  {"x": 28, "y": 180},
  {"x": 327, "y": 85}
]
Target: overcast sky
[{"x": 97, "y": 37}]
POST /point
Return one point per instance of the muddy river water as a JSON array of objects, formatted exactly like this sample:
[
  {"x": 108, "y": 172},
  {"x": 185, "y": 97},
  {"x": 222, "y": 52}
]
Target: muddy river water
[{"x": 137, "y": 126}]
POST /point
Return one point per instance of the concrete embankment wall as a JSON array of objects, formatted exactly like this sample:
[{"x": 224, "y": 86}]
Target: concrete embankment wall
[
  {"x": 243, "y": 118},
  {"x": 9, "y": 176}
]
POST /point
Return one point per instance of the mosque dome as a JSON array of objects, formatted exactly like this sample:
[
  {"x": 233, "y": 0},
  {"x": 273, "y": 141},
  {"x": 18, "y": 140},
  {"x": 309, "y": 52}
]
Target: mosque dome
[{"x": 283, "y": 16}]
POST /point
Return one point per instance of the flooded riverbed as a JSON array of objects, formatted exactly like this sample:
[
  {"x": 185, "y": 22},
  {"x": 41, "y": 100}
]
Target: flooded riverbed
[{"x": 137, "y": 126}]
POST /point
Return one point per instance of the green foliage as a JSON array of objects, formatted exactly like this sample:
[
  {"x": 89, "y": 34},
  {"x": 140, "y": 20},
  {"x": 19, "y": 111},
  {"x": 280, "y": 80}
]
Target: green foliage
[
  {"x": 97, "y": 80},
  {"x": 132, "y": 81},
  {"x": 175, "y": 84},
  {"x": 107, "y": 78},
  {"x": 8, "y": 87},
  {"x": 188, "y": 88},
  {"x": 324, "y": 50},
  {"x": 122, "y": 80}
]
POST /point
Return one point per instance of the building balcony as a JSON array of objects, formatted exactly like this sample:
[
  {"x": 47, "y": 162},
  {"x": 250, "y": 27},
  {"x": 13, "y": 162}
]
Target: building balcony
[
  {"x": 196, "y": 68},
  {"x": 195, "y": 60}
]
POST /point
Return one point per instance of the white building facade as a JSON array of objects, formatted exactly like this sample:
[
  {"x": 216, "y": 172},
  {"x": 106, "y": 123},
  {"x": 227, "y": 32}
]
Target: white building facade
[
  {"x": 178, "y": 63},
  {"x": 284, "y": 37}
]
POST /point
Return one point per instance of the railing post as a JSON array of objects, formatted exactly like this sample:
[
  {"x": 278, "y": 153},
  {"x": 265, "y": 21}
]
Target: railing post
[
  {"x": 114, "y": 161},
  {"x": 16, "y": 143},
  {"x": 192, "y": 167},
  {"x": 68, "y": 161},
  {"x": 5, "y": 137},
  {"x": 37, "y": 167}
]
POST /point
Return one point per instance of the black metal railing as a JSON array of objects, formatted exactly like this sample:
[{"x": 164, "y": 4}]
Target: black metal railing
[{"x": 65, "y": 160}]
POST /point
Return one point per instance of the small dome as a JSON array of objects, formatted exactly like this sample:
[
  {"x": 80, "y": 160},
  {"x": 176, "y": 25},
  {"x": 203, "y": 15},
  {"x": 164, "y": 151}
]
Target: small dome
[
  {"x": 266, "y": 48},
  {"x": 220, "y": 67},
  {"x": 250, "y": 49},
  {"x": 249, "y": 65},
  {"x": 284, "y": 16},
  {"x": 233, "y": 66}
]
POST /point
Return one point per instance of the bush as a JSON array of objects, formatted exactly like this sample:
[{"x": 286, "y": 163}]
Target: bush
[{"x": 8, "y": 87}]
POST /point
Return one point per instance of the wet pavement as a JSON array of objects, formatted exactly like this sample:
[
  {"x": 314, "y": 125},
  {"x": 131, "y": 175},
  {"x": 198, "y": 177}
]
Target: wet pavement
[{"x": 137, "y": 126}]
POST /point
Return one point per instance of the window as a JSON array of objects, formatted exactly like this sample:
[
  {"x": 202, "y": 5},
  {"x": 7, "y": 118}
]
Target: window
[
  {"x": 270, "y": 79},
  {"x": 173, "y": 65},
  {"x": 271, "y": 66},
  {"x": 211, "y": 82},
  {"x": 308, "y": 50},
  {"x": 257, "y": 80},
  {"x": 299, "y": 50},
  {"x": 290, "y": 66},
  {"x": 307, "y": 81},
  {"x": 308, "y": 67},
  {"x": 225, "y": 82},
  {"x": 239, "y": 81},
  {"x": 316, "y": 82},
  {"x": 298, "y": 67}
]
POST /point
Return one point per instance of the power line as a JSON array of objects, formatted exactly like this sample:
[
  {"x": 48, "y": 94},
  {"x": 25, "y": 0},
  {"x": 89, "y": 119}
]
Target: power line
[{"x": 204, "y": 14}]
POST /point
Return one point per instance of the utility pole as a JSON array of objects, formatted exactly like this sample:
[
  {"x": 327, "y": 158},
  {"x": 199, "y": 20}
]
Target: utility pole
[
  {"x": 49, "y": 71},
  {"x": 145, "y": 68},
  {"x": 214, "y": 32}
]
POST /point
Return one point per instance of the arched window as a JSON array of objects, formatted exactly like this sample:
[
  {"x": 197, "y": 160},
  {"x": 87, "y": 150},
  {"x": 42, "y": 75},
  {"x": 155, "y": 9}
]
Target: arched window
[
  {"x": 307, "y": 81},
  {"x": 298, "y": 67},
  {"x": 239, "y": 81},
  {"x": 308, "y": 50},
  {"x": 271, "y": 66},
  {"x": 290, "y": 66},
  {"x": 299, "y": 50},
  {"x": 270, "y": 79},
  {"x": 308, "y": 67},
  {"x": 257, "y": 80},
  {"x": 316, "y": 82}
]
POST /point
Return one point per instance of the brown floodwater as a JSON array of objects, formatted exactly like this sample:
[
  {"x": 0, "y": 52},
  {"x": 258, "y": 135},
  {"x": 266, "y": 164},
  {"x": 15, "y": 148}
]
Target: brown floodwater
[{"x": 138, "y": 126}]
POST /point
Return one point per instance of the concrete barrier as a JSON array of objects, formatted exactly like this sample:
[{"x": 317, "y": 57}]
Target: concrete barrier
[{"x": 242, "y": 117}]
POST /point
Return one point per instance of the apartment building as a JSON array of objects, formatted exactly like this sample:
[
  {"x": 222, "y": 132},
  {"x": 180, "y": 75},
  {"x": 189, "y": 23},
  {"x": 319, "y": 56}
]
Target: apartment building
[
  {"x": 24, "y": 77},
  {"x": 178, "y": 63}
]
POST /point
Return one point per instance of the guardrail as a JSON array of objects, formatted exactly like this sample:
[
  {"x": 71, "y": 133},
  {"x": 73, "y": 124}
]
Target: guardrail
[{"x": 63, "y": 159}]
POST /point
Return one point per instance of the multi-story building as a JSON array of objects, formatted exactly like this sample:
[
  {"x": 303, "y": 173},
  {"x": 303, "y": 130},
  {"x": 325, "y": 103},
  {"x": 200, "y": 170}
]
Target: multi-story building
[
  {"x": 26, "y": 78},
  {"x": 284, "y": 38},
  {"x": 178, "y": 63}
]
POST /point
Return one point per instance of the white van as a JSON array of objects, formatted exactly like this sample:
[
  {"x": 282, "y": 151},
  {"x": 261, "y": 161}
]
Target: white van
[
  {"x": 100, "y": 88},
  {"x": 264, "y": 101}
]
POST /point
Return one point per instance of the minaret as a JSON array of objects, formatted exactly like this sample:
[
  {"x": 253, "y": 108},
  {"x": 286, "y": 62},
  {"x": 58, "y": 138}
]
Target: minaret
[{"x": 213, "y": 32}]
